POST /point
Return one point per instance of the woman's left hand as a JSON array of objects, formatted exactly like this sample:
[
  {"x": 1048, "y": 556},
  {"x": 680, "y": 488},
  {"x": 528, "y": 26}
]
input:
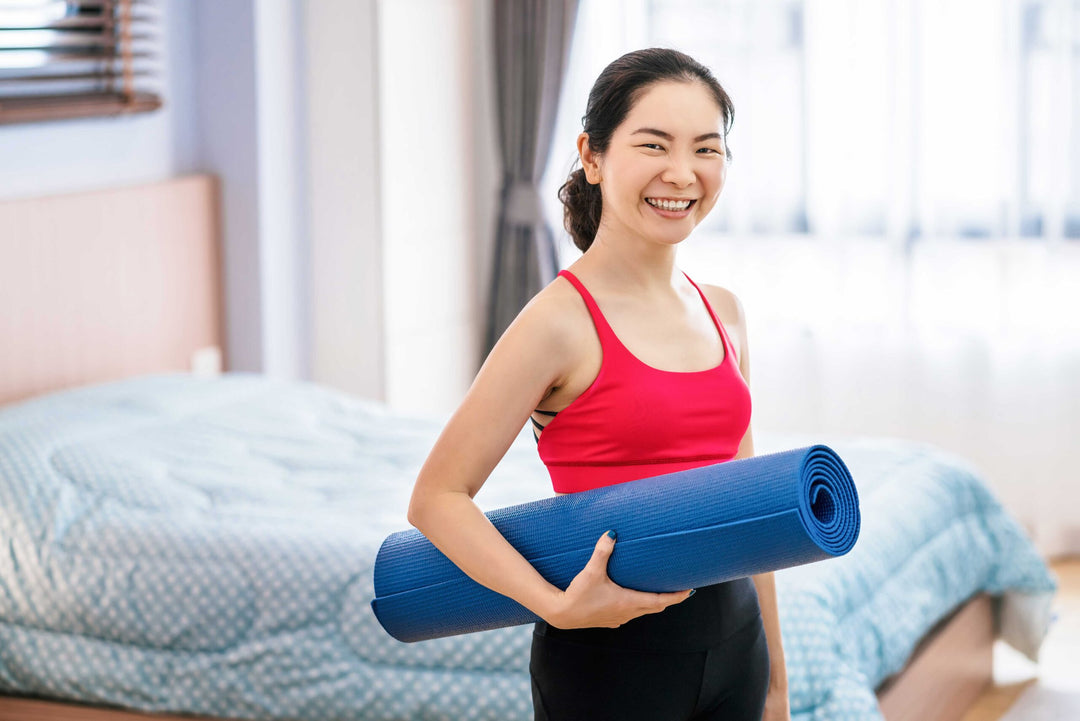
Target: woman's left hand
[{"x": 777, "y": 706}]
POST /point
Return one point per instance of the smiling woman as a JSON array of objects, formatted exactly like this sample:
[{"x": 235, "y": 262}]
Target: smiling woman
[
  {"x": 679, "y": 173},
  {"x": 639, "y": 371},
  {"x": 613, "y": 122}
]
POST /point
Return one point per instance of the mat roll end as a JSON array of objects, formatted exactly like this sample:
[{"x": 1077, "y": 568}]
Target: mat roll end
[{"x": 827, "y": 499}]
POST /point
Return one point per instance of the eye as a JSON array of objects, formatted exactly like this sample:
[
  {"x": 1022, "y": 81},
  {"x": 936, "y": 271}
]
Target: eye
[
  {"x": 652, "y": 146},
  {"x": 710, "y": 150}
]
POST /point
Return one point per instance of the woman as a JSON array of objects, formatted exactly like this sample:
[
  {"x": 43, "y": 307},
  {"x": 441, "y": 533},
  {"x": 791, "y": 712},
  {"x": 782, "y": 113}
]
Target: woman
[{"x": 626, "y": 359}]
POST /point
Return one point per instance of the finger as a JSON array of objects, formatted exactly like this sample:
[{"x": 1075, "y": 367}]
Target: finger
[
  {"x": 645, "y": 597},
  {"x": 670, "y": 599},
  {"x": 666, "y": 600},
  {"x": 660, "y": 601},
  {"x": 602, "y": 551}
]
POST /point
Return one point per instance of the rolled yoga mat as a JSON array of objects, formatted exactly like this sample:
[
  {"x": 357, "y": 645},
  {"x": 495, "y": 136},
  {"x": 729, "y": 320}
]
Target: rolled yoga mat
[{"x": 675, "y": 532}]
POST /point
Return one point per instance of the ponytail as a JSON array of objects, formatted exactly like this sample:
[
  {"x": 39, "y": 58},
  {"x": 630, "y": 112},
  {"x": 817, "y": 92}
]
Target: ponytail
[{"x": 582, "y": 205}]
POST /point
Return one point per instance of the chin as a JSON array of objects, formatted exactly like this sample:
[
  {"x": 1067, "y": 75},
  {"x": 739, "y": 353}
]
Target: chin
[{"x": 672, "y": 240}]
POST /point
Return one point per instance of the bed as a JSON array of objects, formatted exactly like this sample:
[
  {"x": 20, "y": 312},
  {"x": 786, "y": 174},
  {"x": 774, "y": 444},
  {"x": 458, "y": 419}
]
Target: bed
[{"x": 201, "y": 544}]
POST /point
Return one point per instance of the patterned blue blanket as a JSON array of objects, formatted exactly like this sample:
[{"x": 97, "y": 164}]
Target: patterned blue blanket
[{"x": 205, "y": 546}]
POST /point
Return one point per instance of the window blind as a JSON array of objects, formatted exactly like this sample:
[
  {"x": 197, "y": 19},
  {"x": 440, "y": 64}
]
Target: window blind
[{"x": 77, "y": 58}]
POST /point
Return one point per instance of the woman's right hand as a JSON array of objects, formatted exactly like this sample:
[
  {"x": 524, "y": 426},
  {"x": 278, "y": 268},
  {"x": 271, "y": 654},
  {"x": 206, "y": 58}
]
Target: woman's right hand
[{"x": 592, "y": 599}]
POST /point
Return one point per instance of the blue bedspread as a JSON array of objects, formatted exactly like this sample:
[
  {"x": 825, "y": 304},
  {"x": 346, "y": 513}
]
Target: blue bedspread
[{"x": 206, "y": 546}]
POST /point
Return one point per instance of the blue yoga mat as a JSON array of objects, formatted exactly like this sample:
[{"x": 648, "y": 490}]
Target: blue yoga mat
[{"x": 676, "y": 531}]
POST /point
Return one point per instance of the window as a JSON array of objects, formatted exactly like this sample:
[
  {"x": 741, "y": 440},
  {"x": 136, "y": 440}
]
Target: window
[
  {"x": 76, "y": 58},
  {"x": 1049, "y": 120},
  {"x": 871, "y": 118}
]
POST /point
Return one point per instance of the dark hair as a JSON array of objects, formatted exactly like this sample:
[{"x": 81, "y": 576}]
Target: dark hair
[{"x": 613, "y": 94}]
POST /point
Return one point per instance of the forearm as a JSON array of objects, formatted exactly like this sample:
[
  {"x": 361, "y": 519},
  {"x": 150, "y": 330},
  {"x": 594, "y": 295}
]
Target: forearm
[
  {"x": 458, "y": 528},
  {"x": 765, "y": 584}
]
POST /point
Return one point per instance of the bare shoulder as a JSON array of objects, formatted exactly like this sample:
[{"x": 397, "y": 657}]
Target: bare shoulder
[
  {"x": 726, "y": 304},
  {"x": 729, "y": 309},
  {"x": 555, "y": 314},
  {"x": 556, "y": 323}
]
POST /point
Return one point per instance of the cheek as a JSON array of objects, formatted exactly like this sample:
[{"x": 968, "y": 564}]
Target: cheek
[
  {"x": 713, "y": 181},
  {"x": 629, "y": 184},
  {"x": 718, "y": 177}
]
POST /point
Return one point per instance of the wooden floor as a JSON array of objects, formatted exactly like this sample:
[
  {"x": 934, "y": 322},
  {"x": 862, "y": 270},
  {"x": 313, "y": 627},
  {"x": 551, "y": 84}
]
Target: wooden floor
[{"x": 1059, "y": 660}]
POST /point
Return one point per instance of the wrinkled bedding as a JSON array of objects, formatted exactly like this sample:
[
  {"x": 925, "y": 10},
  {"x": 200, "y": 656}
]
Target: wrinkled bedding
[{"x": 205, "y": 546}]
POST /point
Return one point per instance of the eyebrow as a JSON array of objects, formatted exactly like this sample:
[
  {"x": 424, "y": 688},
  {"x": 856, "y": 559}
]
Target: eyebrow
[{"x": 669, "y": 136}]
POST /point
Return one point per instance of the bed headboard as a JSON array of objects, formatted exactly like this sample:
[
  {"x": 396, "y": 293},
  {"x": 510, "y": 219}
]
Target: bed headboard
[{"x": 107, "y": 284}]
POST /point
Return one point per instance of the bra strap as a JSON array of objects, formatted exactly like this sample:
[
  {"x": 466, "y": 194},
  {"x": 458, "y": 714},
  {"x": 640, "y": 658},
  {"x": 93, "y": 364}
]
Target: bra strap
[
  {"x": 607, "y": 335},
  {"x": 716, "y": 319}
]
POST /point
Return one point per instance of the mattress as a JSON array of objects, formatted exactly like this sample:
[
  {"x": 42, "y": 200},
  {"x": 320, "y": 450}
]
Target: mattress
[{"x": 205, "y": 546}]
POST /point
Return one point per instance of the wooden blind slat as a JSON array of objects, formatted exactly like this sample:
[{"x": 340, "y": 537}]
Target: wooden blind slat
[
  {"x": 72, "y": 23},
  {"x": 46, "y": 5},
  {"x": 81, "y": 57},
  {"x": 23, "y": 110},
  {"x": 49, "y": 39},
  {"x": 68, "y": 77}
]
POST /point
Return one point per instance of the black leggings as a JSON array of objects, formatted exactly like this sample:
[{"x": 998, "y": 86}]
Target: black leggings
[{"x": 574, "y": 678}]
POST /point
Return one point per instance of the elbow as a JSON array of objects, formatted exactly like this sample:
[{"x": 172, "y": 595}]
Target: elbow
[
  {"x": 428, "y": 508},
  {"x": 415, "y": 514},
  {"x": 421, "y": 507}
]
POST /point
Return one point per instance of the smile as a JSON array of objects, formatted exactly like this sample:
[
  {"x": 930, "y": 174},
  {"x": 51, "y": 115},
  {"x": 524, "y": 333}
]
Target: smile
[{"x": 671, "y": 205}]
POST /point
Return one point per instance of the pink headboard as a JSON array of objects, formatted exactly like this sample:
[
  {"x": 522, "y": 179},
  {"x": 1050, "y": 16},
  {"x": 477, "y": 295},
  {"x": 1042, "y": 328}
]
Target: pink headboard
[{"x": 107, "y": 284}]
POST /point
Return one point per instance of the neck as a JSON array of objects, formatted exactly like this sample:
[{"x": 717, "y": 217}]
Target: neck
[{"x": 629, "y": 262}]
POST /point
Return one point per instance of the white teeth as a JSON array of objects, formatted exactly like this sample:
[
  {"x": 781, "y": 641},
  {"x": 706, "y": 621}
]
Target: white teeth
[{"x": 668, "y": 204}]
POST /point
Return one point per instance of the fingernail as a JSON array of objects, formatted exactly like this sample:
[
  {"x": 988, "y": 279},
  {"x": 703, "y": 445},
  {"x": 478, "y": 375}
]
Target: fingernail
[
  {"x": 692, "y": 592},
  {"x": 611, "y": 535}
]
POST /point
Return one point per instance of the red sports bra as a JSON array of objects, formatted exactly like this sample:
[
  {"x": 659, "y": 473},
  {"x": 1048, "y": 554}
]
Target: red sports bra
[{"x": 636, "y": 421}]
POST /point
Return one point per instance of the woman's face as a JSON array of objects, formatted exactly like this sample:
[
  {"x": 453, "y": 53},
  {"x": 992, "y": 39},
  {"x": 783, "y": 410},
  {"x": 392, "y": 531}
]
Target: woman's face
[{"x": 668, "y": 150}]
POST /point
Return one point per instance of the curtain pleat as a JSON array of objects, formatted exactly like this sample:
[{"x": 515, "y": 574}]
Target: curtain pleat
[{"x": 532, "y": 42}]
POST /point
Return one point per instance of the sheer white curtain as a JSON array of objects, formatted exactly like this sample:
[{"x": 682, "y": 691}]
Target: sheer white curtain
[
  {"x": 901, "y": 220},
  {"x": 893, "y": 118}
]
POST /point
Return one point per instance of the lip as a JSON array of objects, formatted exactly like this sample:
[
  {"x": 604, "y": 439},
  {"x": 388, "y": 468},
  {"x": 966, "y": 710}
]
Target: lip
[{"x": 672, "y": 213}]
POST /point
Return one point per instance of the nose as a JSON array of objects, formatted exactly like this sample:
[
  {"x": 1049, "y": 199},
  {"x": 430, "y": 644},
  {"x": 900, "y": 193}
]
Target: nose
[{"x": 679, "y": 172}]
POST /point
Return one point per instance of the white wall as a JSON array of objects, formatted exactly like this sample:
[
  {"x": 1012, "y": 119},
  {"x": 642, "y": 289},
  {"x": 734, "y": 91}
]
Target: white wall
[
  {"x": 281, "y": 129},
  {"x": 402, "y": 184},
  {"x": 431, "y": 148},
  {"x": 225, "y": 77},
  {"x": 344, "y": 196},
  {"x": 248, "y": 73},
  {"x": 402, "y": 190}
]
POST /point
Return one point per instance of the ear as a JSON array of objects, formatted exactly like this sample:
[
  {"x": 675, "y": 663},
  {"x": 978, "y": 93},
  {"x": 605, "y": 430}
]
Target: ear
[{"x": 590, "y": 161}]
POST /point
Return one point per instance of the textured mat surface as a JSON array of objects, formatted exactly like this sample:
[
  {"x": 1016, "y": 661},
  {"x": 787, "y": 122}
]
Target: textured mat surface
[{"x": 675, "y": 531}]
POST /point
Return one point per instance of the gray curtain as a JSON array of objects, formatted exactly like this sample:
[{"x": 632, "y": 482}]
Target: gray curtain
[{"x": 532, "y": 42}]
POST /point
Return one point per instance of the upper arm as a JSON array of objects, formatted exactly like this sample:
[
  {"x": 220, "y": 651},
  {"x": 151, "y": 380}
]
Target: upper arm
[{"x": 528, "y": 360}]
